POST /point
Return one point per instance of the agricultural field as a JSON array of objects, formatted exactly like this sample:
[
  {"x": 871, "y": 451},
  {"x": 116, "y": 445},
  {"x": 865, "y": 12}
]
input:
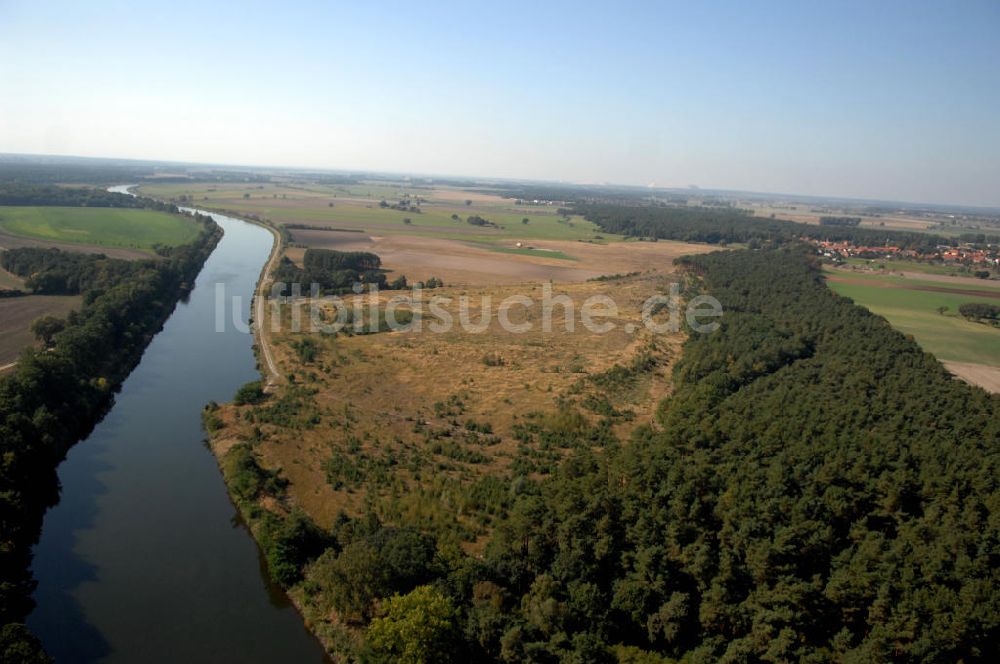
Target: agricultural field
[
  {"x": 443, "y": 211},
  {"x": 928, "y": 309},
  {"x": 17, "y": 314},
  {"x": 116, "y": 228},
  {"x": 901, "y": 267},
  {"x": 479, "y": 263},
  {"x": 939, "y": 224}
]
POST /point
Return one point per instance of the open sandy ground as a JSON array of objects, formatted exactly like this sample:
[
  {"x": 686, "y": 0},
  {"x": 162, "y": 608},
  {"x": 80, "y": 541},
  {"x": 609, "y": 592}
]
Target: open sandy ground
[{"x": 984, "y": 376}]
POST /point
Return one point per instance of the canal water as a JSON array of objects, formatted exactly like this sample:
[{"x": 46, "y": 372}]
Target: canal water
[{"x": 145, "y": 559}]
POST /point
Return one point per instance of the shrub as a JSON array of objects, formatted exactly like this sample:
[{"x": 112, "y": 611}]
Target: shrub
[{"x": 251, "y": 393}]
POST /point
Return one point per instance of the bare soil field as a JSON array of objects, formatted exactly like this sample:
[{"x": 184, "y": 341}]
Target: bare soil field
[
  {"x": 17, "y": 314},
  {"x": 8, "y": 241},
  {"x": 984, "y": 376},
  {"x": 458, "y": 262}
]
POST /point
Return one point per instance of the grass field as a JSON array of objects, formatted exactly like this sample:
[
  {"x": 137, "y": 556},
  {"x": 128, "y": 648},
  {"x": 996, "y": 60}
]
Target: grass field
[
  {"x": 913, "y": 308},
  {"x": 530, "y": 251},
  {"x": 106, "y": 227},
  {"x": 913, "y": 266}
]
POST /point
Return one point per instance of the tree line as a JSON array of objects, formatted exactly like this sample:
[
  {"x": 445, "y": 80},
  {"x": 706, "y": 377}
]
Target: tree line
[
  {"x": 50, "y": 271},
  {"x": 980, "y": 311},
  {"x": 336, "y": 272},
  {"x": 16, "y": 193},
  {"x": 53, "y": 398},
  {"x": 723, "y": 225}
]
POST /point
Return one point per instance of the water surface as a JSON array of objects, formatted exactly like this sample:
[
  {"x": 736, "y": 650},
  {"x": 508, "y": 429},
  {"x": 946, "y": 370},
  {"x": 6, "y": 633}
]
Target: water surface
[{"x": 144, "y": 558}]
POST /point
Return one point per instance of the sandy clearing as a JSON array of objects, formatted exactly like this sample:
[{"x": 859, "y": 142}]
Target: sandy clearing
[
  {"x": 459, "y": 262},
  {"x": 983, "y": 375}
]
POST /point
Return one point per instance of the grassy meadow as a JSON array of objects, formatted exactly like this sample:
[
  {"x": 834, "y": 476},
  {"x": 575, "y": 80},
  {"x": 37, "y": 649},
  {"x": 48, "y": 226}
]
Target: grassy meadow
[
  {"x": 913, "y": 310},
  {"x": 106, "y": 227}
]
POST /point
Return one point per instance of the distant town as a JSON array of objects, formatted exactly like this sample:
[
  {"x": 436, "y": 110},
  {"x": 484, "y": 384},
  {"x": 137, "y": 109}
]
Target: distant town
[{"x": 965, "y": 254}]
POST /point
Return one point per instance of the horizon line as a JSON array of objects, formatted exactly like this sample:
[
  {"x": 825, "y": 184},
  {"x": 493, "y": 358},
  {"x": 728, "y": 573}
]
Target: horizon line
[{"x": 994, "y": 209}]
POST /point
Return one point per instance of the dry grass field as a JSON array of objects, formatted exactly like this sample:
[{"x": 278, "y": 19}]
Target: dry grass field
[
  {"x": 416, "y": 425},
  {"x": 424, "y": 416}
]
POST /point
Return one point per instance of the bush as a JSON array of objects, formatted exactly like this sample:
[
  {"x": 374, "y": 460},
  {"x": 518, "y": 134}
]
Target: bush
[
  {"x": 979, "y": 310},
  {"x": 493, "y": 360},
  {"x": 251, "y": 393}
]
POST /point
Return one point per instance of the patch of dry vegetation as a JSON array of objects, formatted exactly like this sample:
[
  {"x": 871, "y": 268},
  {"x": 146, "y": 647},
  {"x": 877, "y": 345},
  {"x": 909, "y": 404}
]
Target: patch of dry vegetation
[{"x": 432, "y": 430}]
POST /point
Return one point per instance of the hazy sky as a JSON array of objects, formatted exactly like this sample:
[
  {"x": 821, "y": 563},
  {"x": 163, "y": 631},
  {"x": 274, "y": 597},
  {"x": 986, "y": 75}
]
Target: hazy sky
[{"x": 875, "y": 99}]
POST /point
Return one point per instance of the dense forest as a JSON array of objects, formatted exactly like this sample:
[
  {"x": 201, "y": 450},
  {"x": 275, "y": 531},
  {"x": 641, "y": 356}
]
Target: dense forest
[
  {"x": 53, "y": 398},
  {"x": 50, "y": 271},
  {"x": 851, "y": 222},
  {"x": 720, "y": 225},
  {"x": 14, "y": 193},
  {"x": 817, "y": 489}
]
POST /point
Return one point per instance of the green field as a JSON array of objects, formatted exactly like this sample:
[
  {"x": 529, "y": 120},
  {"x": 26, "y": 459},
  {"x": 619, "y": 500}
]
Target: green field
[
  {"x": 915, "y": 266},
  {"x": 105, "y": 227},
  {"x": 529, "y": 251},
  {"x": 356, "y": 207},
  {"x": 948, "y": 336}
]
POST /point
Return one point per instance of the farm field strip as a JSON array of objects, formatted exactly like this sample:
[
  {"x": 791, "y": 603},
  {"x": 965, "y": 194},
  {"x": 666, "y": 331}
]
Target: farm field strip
[
  {"x": 109, "y": 227},
  {"x": 914, "y": 307},
  {"x": 443, "y": 211}
]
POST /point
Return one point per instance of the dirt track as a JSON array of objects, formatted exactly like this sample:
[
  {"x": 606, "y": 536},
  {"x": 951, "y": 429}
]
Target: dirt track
[
  {"x": 984, "y": 376},
  {"x": 259, "y": 305}
]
